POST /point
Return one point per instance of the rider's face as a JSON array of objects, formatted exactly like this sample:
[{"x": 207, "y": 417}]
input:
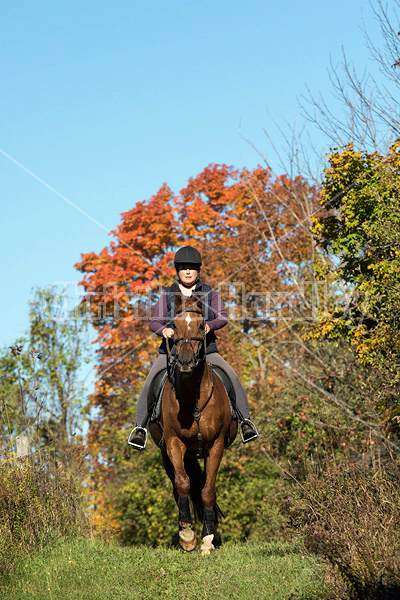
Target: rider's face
[{"x": 187, "y": 274}]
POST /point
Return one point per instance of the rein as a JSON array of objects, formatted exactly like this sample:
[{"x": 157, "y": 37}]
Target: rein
[
  {"x": 173, "y": 360},
  {"x": 197, "y": 413}
]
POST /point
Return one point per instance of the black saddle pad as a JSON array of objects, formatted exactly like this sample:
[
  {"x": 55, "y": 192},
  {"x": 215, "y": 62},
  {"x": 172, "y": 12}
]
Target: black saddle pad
[
  {"x": 228, "y": 385},
  {"x": 155, "y": 392}
]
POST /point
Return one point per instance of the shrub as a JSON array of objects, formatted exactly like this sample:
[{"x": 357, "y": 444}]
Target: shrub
[
  {"x": 350, "y": 514},
  {"x": 39, "y": 503}
]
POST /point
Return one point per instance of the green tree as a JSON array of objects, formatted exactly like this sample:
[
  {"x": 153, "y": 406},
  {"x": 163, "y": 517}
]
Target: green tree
[
  {"x": 13, "y": 364},
  {"x": 360, "y": 225},
  {"x": 41, "y": 394}
]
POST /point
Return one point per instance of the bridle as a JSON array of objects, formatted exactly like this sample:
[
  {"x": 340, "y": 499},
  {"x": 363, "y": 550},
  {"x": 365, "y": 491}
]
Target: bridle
[{"x": 173, "y": 352}]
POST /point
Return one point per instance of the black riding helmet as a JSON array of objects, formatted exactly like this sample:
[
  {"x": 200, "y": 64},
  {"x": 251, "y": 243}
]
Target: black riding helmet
[{"x": 187, "y": 256}]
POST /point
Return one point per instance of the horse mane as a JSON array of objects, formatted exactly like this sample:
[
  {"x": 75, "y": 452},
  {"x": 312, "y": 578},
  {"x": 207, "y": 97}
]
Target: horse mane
[{"x": 194, "y": 302}]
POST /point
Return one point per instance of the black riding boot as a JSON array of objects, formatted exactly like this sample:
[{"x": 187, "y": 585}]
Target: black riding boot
[
  {"x": 139, "y": 439},
  {"x": 249, "y": 431}
]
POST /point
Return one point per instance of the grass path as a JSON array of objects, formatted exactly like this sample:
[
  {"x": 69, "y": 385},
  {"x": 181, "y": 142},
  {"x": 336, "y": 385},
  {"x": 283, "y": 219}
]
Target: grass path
[{"x": 92, "y": 570}]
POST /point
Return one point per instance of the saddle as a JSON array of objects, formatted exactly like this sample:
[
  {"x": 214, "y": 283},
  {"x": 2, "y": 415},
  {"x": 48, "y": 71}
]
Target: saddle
[{"x": 158, "y": 384}]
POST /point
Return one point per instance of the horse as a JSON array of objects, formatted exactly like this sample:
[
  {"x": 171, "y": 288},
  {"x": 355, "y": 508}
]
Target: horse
[{"x": 196, "y": 423}]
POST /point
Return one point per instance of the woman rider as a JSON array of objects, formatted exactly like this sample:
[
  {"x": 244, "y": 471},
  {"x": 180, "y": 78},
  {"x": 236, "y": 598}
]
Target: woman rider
[{"x": 187, "y": 263}]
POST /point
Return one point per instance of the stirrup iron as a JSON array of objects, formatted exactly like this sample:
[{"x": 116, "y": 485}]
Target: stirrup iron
[
  {"x": 254, "y": 437},
  {"x": 138, "y": 428}
]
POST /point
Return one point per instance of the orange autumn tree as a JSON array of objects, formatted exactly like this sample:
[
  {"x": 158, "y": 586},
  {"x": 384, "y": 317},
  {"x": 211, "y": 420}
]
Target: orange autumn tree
[
  {"x": 118, "y": 283},
  {"x": 250, "y": 228}
]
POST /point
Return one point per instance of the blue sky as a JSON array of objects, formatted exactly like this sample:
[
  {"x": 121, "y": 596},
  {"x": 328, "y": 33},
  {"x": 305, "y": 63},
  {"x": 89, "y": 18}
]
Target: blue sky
[{"x": 106, "y": 101}]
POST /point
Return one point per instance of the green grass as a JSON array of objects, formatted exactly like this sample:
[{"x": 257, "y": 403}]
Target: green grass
[{"x": 92, "y": 570}]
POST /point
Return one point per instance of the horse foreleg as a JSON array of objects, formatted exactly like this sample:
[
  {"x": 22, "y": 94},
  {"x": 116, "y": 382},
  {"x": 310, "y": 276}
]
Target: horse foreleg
[
  {"x": 209, "y": 496},
  {"x": 187, "y": 537},
  {"x": 181, "y": 483}
]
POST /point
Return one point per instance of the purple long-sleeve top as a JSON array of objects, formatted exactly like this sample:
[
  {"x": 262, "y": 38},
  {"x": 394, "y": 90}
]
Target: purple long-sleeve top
[{"x": 220, "y": 315}]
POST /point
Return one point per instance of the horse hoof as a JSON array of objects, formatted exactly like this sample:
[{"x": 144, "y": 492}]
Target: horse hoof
[
  {"x": 188, "y": 546},
  {"x": 187, "y": 539},
  {"x": 208, "y": 545}
]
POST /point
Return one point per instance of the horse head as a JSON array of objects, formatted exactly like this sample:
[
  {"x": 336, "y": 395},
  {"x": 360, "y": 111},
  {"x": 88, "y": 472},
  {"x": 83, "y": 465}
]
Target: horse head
[{"x": 189, "y": 332}]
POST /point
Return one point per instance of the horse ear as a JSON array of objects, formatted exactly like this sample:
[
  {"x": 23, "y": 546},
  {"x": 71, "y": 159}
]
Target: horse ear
[
  {"x": 178, "y": 301},
  {"x": 198, "y": 300}
]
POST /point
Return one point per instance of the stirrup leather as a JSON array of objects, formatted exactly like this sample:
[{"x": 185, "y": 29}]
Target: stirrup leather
[
  {"x": 255, "y": 436},
  {"x": 138, "y": 428}
]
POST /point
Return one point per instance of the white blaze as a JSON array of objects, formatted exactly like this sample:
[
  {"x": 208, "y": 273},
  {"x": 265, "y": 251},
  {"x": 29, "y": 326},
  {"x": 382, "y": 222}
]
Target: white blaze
[{"x": 188, "y": 319}]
